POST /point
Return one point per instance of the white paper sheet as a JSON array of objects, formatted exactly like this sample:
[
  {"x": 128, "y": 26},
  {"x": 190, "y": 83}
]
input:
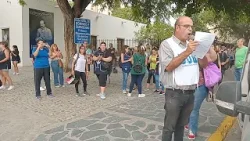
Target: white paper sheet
[{"x": 205, "y": 41}]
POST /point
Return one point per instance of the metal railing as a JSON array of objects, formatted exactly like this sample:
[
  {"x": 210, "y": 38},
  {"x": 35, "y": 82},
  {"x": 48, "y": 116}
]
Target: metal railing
[{"x": 120, "y": 42}]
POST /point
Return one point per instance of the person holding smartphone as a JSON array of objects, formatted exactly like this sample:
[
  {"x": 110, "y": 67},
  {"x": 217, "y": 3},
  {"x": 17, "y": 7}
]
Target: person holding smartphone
[
  {"x": 102, "y": 64},
  {"x": 41, "y": 68}
]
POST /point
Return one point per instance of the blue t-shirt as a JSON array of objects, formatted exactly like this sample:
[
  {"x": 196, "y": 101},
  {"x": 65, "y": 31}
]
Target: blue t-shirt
[{"x": 42, "y": 59}]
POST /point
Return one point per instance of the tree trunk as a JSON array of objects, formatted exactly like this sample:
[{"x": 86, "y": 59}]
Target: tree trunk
[
  {"x": 70, "y": 47},
  {"x": 69, "y": 14}
]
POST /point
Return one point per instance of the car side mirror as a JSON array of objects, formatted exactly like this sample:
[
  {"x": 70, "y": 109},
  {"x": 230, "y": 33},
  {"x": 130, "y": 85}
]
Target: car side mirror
[{"x": 227, "y": 95}]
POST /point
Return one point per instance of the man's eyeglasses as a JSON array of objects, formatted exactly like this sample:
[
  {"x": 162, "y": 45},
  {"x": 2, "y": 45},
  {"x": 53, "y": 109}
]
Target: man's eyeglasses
[{"x": 187, "y": 26}]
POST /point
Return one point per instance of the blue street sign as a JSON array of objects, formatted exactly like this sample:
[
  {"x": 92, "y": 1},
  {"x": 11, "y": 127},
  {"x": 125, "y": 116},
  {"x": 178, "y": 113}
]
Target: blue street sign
[{"x": 81, "y": 30}]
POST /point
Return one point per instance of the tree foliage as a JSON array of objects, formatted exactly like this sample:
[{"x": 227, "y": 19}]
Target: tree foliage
[
  {"x": 229, "y": 27},
  {"x": 144, "y": 9},
  {"x": 126, "y": 13},
  {"x": 223, "y": 24},
  {"x": 231, "y": 7},
  {"x": 221, "y": 15},
  {"x": 156, "y": 31},
  {"x": 163, "y": 8}
]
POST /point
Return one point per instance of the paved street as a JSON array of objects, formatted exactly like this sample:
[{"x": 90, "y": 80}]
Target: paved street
[{"x": 70, "y": 118}]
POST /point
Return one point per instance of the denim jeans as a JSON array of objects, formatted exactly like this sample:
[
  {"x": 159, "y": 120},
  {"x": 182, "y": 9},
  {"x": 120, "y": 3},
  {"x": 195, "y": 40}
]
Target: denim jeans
[
  {"x": 150, "y": 74},
  {"x": 200, "y": 94},
  {"x": 162, "y": 87},
  {"x": 157, "y": 82},
  {"x": 124, "y": 80},
  {"x": 58, "y": 73},
  {"x": 136, "y": 79},
  {"x": 237, "y": 74},
  {"x": 178, "y": 106}
]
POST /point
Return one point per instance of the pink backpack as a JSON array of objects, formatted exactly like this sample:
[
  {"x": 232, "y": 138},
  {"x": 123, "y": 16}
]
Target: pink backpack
[{"x": 212, "y": 75}]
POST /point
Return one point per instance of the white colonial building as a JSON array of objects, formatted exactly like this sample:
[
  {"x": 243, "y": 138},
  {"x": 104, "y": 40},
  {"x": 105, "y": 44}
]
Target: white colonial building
[{"x": 19, "y": 25}]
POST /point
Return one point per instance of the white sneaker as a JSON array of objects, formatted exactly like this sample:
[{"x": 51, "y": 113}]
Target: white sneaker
[
  {"x": 102, "y": 96},
  {"x": 63, "y": 86},
  {"x": 141, "y": 95},
  {"x": 42, "y": 89},
  {"x": 58, "y": 86},
  {"x": 97, "y": 94},
  {"x": 129, "y": 94},
  {"x": 124, "y": 91},
  {"x": 11, "y": 87},
  {"x": 17, "y": 73},
  {"x": 14, "y": 73},
  {"x": 2, "y": 87}
]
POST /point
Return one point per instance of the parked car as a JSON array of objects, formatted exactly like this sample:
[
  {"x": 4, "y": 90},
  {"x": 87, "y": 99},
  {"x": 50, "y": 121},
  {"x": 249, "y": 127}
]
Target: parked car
[{"x": 233, "y": 99}]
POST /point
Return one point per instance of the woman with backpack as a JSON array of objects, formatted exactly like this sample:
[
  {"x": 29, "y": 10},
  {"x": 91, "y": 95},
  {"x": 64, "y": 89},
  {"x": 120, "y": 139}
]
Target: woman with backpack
[
  {"x": 80, "y": 70},
  {"x": 138, "y": 70},
  {"x": 15, "y": 59},
  {"x": 126, "y": 67}
]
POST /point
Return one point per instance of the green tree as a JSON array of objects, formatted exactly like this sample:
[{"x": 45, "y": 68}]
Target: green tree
[
  {"x": 127, "y": 13},
  {"x": 222, "y": 23},
  {"x": 155, "y": 32},
  {"x": 202, "y": 20},
  {"x": 228, "y": 27},
  {"x": 231, "y": 7}
]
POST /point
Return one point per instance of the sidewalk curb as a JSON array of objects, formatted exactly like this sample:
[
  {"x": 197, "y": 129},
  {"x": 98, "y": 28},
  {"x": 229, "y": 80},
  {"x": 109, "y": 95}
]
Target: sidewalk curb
[{"x": 223, "y": 129}]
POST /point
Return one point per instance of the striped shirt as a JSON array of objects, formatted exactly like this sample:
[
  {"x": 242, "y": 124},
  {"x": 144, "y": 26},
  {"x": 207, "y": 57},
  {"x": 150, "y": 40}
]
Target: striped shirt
[{"x": 165, "y": 57}]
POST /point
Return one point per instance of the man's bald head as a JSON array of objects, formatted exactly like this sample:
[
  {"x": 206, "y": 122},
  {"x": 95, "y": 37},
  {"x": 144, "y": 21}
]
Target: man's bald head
[
  {"x": 183, "y": 28},
  {"x": 181, "y": 19}
]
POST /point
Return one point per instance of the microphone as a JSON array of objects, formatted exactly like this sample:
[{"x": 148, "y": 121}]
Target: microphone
[{"x": 191, "y": 37}]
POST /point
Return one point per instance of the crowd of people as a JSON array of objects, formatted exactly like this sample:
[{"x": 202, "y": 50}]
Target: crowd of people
[
  {"x": 168, "y": 66},
  {"x": 132, "y": 61}
]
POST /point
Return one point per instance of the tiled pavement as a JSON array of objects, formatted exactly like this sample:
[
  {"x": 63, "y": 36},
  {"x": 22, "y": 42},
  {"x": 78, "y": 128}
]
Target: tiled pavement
[
  {"x": 69, "y": 118},
  {"x": 138, "y": 119}
]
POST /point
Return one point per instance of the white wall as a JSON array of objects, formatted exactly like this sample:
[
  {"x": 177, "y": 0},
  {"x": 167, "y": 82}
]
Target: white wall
[
  {"x": 106, "y": 27},
  {"x": 103, "y": 26},
  {"x": 11, "y": 17},
  {"x": 43, "y": 5}
]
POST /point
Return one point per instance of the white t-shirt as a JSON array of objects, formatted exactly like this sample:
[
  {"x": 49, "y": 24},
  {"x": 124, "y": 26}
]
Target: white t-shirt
[{"x": 81, "y": 63}]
